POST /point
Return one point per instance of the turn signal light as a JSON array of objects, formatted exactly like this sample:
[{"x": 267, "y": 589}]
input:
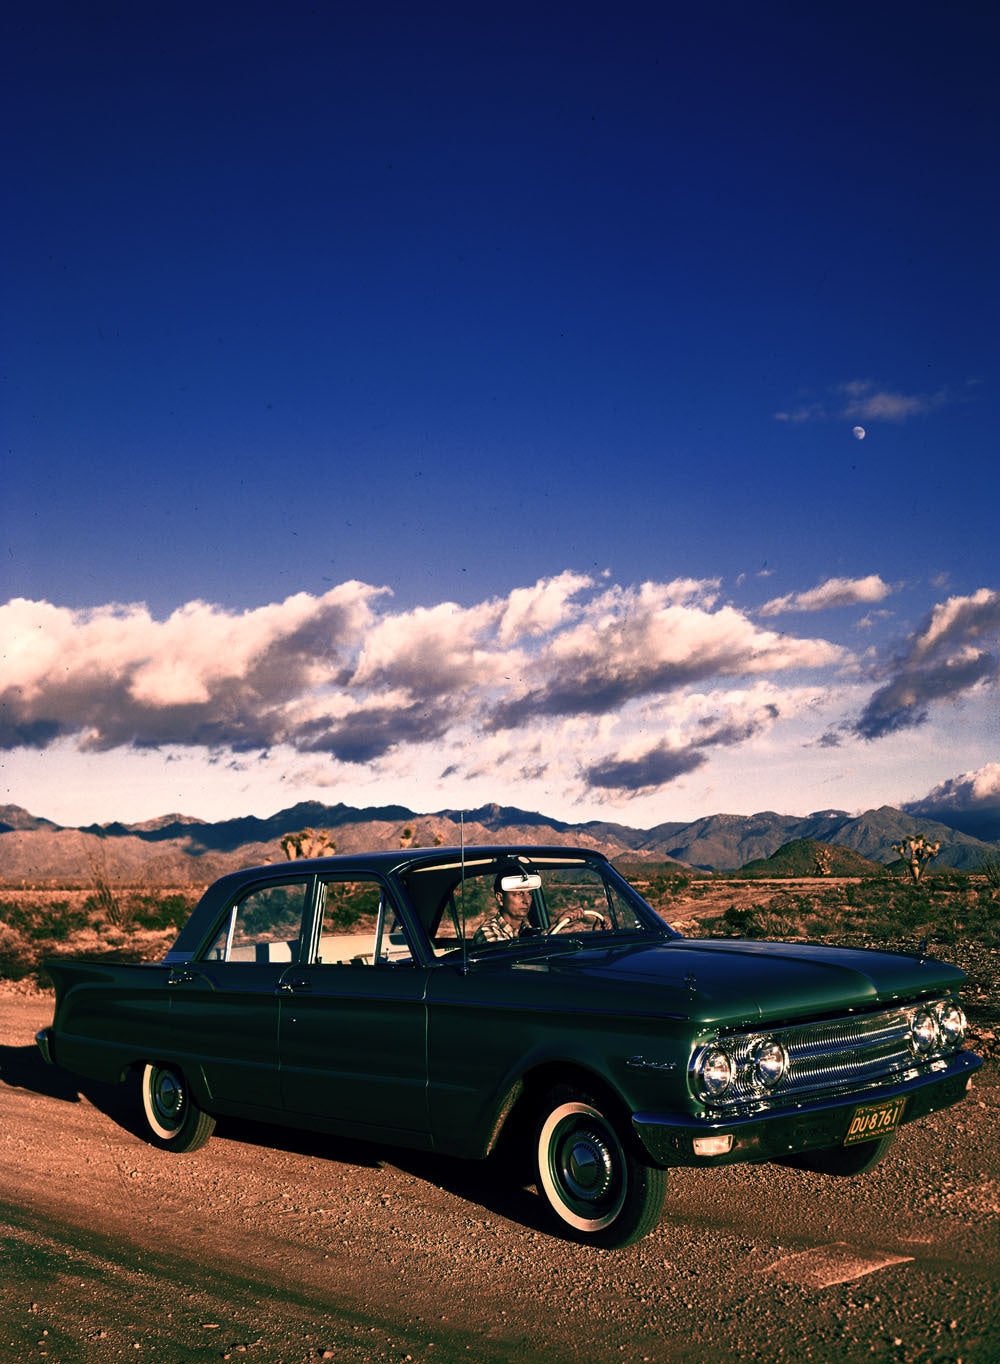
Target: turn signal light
[{"x": 713, "y": 1146}]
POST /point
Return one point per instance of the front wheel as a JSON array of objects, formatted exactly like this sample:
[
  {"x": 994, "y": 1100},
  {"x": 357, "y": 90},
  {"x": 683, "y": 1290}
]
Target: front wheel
[
  {"x": 597, "y": 1188},
  {"x": 174, "y": 1120}
]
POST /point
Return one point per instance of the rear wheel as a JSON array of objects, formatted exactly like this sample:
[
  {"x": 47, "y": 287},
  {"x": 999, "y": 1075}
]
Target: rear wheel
[
  {"x": 595, "y": 1184},
  {"x": 174, "y": 1120}
]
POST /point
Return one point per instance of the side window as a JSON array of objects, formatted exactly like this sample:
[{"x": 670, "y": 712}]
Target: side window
[
  {"x": 470, "y": 905},
  {"x": 392, "y": 943},
  {"x": 359, "y": 925},
  {"x": 264, "y": 926}
]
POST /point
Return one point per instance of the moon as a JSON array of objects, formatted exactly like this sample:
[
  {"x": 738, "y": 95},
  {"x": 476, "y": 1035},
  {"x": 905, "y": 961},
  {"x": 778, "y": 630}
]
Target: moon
[{"x": 858, "y": 432}]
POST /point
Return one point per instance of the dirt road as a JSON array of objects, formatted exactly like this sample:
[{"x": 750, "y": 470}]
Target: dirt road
[{"x": 269, "y": 1247}]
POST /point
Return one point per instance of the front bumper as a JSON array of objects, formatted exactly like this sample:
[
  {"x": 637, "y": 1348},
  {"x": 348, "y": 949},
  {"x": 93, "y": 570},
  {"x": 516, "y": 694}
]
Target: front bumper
[{"x": 776, "y": 1133}]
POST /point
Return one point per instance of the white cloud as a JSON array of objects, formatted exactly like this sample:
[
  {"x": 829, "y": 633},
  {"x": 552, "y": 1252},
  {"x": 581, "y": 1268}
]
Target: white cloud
[
  {"x": 179, "y": 661},
  {"x": 873, "y": 618},
  {"x": 968, "y": 790},
  {"x": 868, "y": 403},
  {"x": 540, "y": 609},
  {"x": 431, "y": 650},
  {"x": 969, "y": 802},
  {"x": 633, "y": 643},
  {"x": 862, "y": 400},
  {"x": 809, "y": 412},
  {"x": 959, "y": 620},
  {"x": 953, "y": 655},
  {"x": 548, "y": 684},
  {"x": 833, "y": 593}
]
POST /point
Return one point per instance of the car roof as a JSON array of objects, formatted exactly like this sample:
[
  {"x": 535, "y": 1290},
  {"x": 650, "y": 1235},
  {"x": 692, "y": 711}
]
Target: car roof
[
  {"x": 383, "y": 861},
  {"x": 386, "y": 860}
]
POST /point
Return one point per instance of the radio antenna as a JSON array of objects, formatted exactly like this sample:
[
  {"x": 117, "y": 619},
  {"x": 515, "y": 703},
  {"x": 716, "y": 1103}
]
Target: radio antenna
[{"x": 465, "y": 950}]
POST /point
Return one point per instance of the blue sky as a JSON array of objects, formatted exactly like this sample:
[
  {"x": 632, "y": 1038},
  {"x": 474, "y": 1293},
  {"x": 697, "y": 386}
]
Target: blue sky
[{"x": 439, "y": 404}]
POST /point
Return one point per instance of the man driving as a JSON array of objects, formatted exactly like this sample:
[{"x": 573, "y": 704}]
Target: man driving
[{"x": 511, "y": 918}]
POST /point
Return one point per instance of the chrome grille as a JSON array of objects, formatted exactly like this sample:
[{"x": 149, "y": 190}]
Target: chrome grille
[{"x": 833, "y": 1056}]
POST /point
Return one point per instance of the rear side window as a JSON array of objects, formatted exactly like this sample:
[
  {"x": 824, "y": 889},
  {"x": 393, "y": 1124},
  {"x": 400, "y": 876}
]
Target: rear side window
[
  {"x": 359, "y": 925},
  {"x": 264, "y": 926}
]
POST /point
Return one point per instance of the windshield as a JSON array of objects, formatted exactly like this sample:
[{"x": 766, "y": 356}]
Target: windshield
[{"x": 513, "y": 899}]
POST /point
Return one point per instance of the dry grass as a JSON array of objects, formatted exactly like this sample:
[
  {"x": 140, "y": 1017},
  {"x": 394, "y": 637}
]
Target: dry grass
[{"x": 35, "y": 924}]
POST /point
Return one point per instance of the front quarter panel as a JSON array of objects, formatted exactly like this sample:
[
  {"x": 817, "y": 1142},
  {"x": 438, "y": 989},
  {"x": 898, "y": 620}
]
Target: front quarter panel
[{"x": 498, "y": 1023}]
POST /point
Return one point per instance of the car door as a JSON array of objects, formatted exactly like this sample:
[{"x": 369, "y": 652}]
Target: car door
[
  {"x": 225, "y": 1005},
  {"x": 353, "y": 1021}
]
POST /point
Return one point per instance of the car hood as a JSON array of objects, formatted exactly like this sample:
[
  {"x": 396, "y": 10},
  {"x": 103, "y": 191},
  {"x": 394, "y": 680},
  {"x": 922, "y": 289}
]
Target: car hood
[{"x": 736, "y": 981}]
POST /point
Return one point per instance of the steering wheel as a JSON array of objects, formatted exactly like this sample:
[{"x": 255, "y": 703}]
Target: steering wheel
[{"x": 594, "y": 915}]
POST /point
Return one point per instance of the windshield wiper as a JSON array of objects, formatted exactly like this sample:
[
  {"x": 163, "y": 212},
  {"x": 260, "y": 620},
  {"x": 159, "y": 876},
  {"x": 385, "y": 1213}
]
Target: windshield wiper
[{"x": 534, "y": 947}]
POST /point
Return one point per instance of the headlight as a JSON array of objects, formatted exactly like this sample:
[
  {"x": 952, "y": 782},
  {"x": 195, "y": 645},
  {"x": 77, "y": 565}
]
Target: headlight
[
  {"x": 714, "y": 1072},
  {"x": 770, "y": 1061},
  {"x": 925, "y": 1035},
  {"x": 951, "y": 1021}
]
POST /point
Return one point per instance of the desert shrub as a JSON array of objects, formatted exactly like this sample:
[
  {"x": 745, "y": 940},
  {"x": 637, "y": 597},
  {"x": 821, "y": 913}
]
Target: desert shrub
[
  {"x": 962, "y": 915},
  {"x": 109, "y": 899},
  {"x": 748, "y": 921},
  {"x": 18, "y": 954},
  {"x": 105, "y": 905},
  {"x": 51, "y": 923},
  {"x": 990, "y": 868},
  {"x": 869, "y": 892},
  {"x": 913, "y": 906},
  {"x": 949, "y": 880},
  {"x": 662, "y": 891},
  {"x": 946, "y": 909},
  {"x": 763, "y": 922},
  {"x": 659, "y": 882},
  {"x": 161, "y": 911},
  {"x": 738, "y": 917},
  {"x": 14, "y": 915},
  {"x": 129, "y": 908},
  {"x": 987, "y": 903}
]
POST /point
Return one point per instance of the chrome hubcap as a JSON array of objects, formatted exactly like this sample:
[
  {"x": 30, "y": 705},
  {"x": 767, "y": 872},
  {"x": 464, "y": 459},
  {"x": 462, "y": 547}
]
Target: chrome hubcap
[
  {"x": 587, "y": 1166},
  {"x": 168, "y": 1097}
]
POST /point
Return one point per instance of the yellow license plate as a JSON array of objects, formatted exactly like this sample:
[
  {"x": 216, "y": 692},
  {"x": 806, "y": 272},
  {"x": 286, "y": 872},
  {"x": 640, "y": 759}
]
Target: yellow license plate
[{"x": 869, "y": 1122}]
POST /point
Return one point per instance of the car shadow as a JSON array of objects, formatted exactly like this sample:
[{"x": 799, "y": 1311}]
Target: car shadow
[
  {"x": 300, "y": 1142},
  {"x": 23, "y": 1068},
  {"x": 492, "y": 1184}
]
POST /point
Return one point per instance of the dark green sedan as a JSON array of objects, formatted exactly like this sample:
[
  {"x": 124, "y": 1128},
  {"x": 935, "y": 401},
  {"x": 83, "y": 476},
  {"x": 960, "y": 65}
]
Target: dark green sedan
[{"x": 524, "y": 999}]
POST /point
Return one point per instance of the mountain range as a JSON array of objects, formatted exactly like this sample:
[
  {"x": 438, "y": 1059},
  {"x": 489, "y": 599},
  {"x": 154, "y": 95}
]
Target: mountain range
[{"x": 179, "y": 850}]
